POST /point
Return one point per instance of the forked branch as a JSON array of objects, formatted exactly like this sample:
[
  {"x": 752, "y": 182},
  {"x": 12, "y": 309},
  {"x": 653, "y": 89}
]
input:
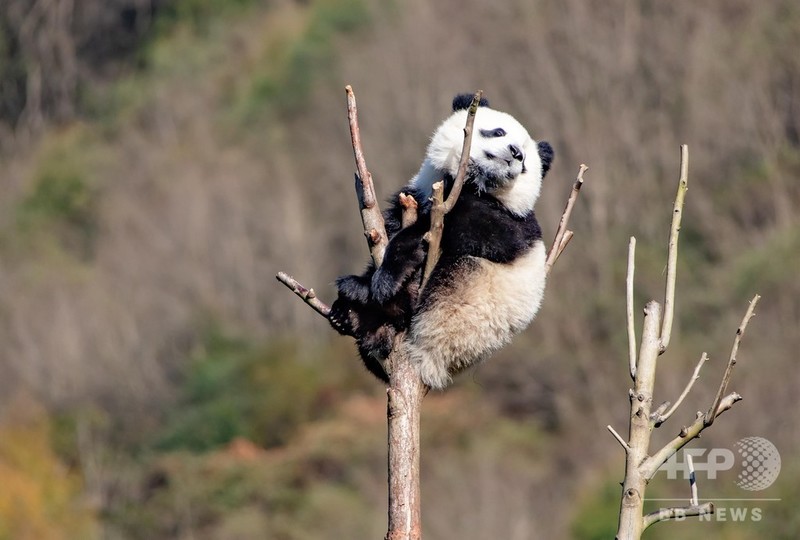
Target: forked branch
[
  {"x": 563, "y": 235},
  {"x": 371, "y": 217}
]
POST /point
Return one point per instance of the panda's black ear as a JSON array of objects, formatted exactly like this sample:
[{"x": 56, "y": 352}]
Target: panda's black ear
[
  {"x": 546, "y": 154},
  {"x": 463, "y": 101}
]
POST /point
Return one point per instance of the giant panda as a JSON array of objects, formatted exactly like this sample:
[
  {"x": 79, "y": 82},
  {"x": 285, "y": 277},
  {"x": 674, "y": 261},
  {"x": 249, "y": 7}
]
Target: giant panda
[{"x": 489, "y": 281}]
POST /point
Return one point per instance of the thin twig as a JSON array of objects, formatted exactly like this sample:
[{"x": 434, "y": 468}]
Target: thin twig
[
  {"x": 696, "y": 375},
  {"x": 629, "y": 308},
  {"x": 709, "y": 417},
  {"x": 672, "y": 254},
  {"x": 692, "y": 480},
  {"x": 557, "y": 248},
  {"x": 371, "y": 217},
  {"x": 620, "y": 440},
  {"x": 440, "y": 207},
  {"x": 677, "y": 512},
  {"x": 461, "y": 175},
  {"x": 308, "y": 295}
]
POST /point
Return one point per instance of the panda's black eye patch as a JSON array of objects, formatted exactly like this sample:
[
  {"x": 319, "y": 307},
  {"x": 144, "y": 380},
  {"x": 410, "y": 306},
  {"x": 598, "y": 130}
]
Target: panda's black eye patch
[{"x": 493, "y": 133}]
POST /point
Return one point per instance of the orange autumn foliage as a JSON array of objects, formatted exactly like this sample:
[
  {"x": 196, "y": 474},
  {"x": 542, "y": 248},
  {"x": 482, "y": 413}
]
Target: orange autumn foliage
[{"x": 41, "y": 498}]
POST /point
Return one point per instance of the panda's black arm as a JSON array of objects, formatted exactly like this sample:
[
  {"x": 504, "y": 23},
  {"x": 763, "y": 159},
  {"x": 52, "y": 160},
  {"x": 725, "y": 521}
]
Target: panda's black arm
[
  {"x": 357, "y": 288},
  {"x": 404, "y": 255}
]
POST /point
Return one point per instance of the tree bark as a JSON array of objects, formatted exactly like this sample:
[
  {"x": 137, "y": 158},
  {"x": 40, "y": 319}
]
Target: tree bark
[{"x": 405, "y": 395}]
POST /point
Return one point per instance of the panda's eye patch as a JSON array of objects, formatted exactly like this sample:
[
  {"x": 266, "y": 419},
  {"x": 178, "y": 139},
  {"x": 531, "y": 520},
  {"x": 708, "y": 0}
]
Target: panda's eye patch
[{"x": 493, "y": 133}]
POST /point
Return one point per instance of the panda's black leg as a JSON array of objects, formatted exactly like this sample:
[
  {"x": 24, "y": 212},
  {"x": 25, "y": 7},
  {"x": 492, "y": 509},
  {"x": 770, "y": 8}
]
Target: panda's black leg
[
  {"x": 374, "y": 366},
  {"x": 355, "y": 288},
  {"x": 404, "y": 255}
]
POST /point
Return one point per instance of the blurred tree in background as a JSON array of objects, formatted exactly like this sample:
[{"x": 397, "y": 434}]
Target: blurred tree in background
[{"x": 162, "y": 159}]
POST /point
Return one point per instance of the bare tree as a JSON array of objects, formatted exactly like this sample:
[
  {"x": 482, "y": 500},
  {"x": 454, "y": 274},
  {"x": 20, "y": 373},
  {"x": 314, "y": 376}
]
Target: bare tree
[
  {"x": 640, "y": 466},
  {"x": 406, "y": 389}
]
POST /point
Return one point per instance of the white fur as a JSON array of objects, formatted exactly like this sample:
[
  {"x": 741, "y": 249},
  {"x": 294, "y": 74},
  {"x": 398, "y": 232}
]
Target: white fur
[
  {"x": 444, "y": 153},
  {"x": 490, "y": 304}
]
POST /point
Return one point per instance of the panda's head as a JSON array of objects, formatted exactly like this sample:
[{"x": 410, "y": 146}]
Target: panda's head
[{"x": 504, "y": 160}]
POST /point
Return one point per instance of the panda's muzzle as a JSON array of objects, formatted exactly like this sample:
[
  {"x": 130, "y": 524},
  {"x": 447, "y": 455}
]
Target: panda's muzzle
[{"x": 516, "y": 153}]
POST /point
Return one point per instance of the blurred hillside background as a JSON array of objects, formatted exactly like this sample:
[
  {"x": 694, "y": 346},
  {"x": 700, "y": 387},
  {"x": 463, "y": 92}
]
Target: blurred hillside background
[{"x": 161, "y": 160}]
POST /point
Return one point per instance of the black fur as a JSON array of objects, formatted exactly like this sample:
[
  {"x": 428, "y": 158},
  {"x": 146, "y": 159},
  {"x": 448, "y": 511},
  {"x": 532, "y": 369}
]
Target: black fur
[
  {"x": 463, "y": 101},
  {"x": 546, "y": 154},
  {"x": 357, "y": 313},
  {"x": 373, "y": 325},
  {"x": 481, "y": 226}
]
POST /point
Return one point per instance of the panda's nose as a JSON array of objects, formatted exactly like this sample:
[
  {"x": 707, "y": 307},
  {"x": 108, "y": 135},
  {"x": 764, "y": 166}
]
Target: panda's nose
[{"x": 516, "y": 153}]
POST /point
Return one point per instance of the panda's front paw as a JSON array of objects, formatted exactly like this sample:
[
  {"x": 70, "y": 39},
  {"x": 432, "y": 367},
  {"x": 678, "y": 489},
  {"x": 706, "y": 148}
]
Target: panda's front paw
[{"x": 384, "y": 286}]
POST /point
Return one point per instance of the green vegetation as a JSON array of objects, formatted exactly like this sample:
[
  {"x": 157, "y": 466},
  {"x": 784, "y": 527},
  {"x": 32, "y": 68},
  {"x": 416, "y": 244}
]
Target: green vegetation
[
  {"x": 274, "y": 395},
  {"x": 200, "y": 14},
  {"x": 61, "y": 201},
  {"x": 287, "y": 68},
  {"x": 596, "y": 518}
]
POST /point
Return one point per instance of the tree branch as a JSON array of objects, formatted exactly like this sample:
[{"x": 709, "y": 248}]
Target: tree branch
[
  {"x": 629, "y": 308},
  {"x": 723, "y": 386},
  {"x": 678, "y": 512},
  {"x": 308, "y": 295},
  {"x": 461, "y": 175},
  {"x": 619, "y": 438},
  {"x": 672, "y": 253},
  {"x": 561, "y": 232},
  {"x": 434, "y": 234},
  {"x": 371, "y": 217},
  {"x": 692, "y": 480},
  {"x": 564, "y": 241},
  {"x": 661, "y": 418}
]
